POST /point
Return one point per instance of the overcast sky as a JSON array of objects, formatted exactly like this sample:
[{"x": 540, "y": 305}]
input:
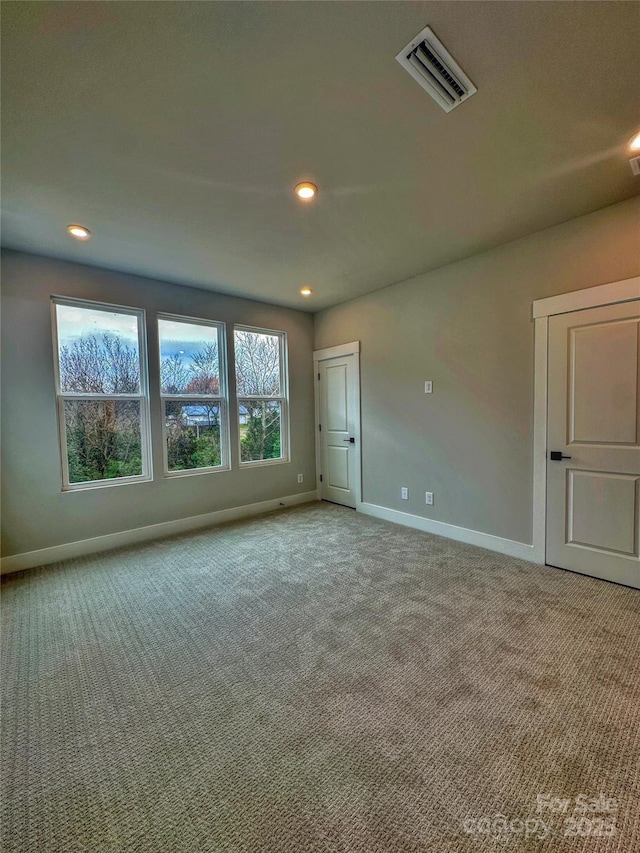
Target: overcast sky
[
  {"x": 184, "y": 338},
  {"x": 175, "y": 337},
  {"x": 73, "y": 322}
]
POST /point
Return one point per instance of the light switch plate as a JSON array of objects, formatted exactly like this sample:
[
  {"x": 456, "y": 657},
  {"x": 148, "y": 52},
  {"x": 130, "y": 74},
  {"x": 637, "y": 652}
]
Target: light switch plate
[{"x": 428, "y": 386}]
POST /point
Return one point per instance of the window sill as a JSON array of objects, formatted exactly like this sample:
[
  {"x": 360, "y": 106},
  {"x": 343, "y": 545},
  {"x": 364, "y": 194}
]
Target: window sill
[
  {"x": 106, "y": 484},
  {"x": 190, "y": 472},
  {"x": 261, "y": 463}
]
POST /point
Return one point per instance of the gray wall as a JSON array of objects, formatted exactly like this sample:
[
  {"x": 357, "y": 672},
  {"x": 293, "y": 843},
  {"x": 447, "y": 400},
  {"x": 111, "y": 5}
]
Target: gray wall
[
  {"x": 36, "y": 513},
  {"x": 468, "y": 327}
]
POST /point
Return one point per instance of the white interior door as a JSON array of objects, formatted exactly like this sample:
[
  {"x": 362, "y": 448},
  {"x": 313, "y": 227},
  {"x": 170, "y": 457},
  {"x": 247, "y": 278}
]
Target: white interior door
[
  {"x": 593, "y": 491},
  {"x": 339, "y": 428}
]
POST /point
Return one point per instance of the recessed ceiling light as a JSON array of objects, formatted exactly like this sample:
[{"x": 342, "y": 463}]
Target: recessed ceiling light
[
  {"x": 79, "y": 232},
  {"x": 306, "y": 191},
  {"x": 305, "y": 291},
  {"x": 634, "y": 143}
]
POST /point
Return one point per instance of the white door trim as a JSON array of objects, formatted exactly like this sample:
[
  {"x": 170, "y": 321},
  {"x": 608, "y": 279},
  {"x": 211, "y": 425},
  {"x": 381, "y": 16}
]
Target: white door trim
[
  {"x": 593, "y": 297},
  {"x": 626, "y": 290},
  {"x": 353, "y": 349},
  {"x": 336, "y": 352}
]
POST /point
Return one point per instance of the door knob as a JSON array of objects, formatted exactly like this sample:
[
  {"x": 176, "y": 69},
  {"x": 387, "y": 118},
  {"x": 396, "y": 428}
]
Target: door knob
[
  {"x": 557, "y": 455},
  {"x": 352, "y": 440}
]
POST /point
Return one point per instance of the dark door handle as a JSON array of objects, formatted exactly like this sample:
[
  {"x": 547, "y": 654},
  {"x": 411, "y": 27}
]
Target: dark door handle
[
  {"x": 557, "y": 455},
  {"x": 352, "y": 440}
]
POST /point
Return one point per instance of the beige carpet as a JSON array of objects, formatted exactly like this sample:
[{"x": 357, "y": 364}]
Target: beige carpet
[{"x": 316, "y": 680}]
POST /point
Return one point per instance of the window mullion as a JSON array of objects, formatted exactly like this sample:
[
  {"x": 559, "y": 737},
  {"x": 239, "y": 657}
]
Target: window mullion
[
  {"x": 191, "y": 398},
  {"x": 80, "y": 397}
]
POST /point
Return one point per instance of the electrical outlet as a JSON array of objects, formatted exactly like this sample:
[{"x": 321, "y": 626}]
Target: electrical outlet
[
  {"x": 404, "y": 493},
  {"x": 428, "y": 386},
  {"x": 428, "y": 498},
  {"x": 301, "y": 478}
]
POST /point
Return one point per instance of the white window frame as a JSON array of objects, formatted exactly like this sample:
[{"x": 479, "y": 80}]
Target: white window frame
[
  {"x": 142, "y": 397},
  {"x": 283, "y": 399},
  {"x": 221, "y": 399}
]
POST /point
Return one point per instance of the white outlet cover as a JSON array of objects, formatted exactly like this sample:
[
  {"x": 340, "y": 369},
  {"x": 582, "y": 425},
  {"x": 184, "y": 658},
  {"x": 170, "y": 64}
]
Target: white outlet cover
[
  {"x": 404, "y": 493},
  {"x": 428, "y": 498},
  {"x": 428, "y": 386}
]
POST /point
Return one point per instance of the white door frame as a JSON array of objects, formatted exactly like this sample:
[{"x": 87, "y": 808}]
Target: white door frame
[
  {"x": 626, "y": 290},
  {"x": 353, "y": 349}
]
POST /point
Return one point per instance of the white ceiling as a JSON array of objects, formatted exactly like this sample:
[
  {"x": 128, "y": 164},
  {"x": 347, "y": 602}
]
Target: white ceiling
[{"x": 176, "y": 131}]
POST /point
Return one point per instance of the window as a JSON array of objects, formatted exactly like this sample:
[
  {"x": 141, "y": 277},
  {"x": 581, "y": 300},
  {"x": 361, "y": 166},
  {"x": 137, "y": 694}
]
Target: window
[
  {"x": 261, "y": 384},
  {"x": 101, "y": 387},
  {"x": 194, "y": 395}
]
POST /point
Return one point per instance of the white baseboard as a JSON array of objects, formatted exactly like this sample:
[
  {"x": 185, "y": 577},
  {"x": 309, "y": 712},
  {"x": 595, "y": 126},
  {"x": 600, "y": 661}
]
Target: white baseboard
[
  {"x": 30, "y": 559},
  {"x": 451, "y": 531}
]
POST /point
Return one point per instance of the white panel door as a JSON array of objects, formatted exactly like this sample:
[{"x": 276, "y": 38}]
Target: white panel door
[
  {"x": 339, "y": 407},
  {"x": 593, "y": 491}
]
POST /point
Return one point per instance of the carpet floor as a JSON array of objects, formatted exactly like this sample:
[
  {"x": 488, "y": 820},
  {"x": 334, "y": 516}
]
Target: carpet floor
[{"x": 317, "y": 680}]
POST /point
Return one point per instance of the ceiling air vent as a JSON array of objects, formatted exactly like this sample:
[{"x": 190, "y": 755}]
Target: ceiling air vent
[{"x": 432, "y": 66}]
